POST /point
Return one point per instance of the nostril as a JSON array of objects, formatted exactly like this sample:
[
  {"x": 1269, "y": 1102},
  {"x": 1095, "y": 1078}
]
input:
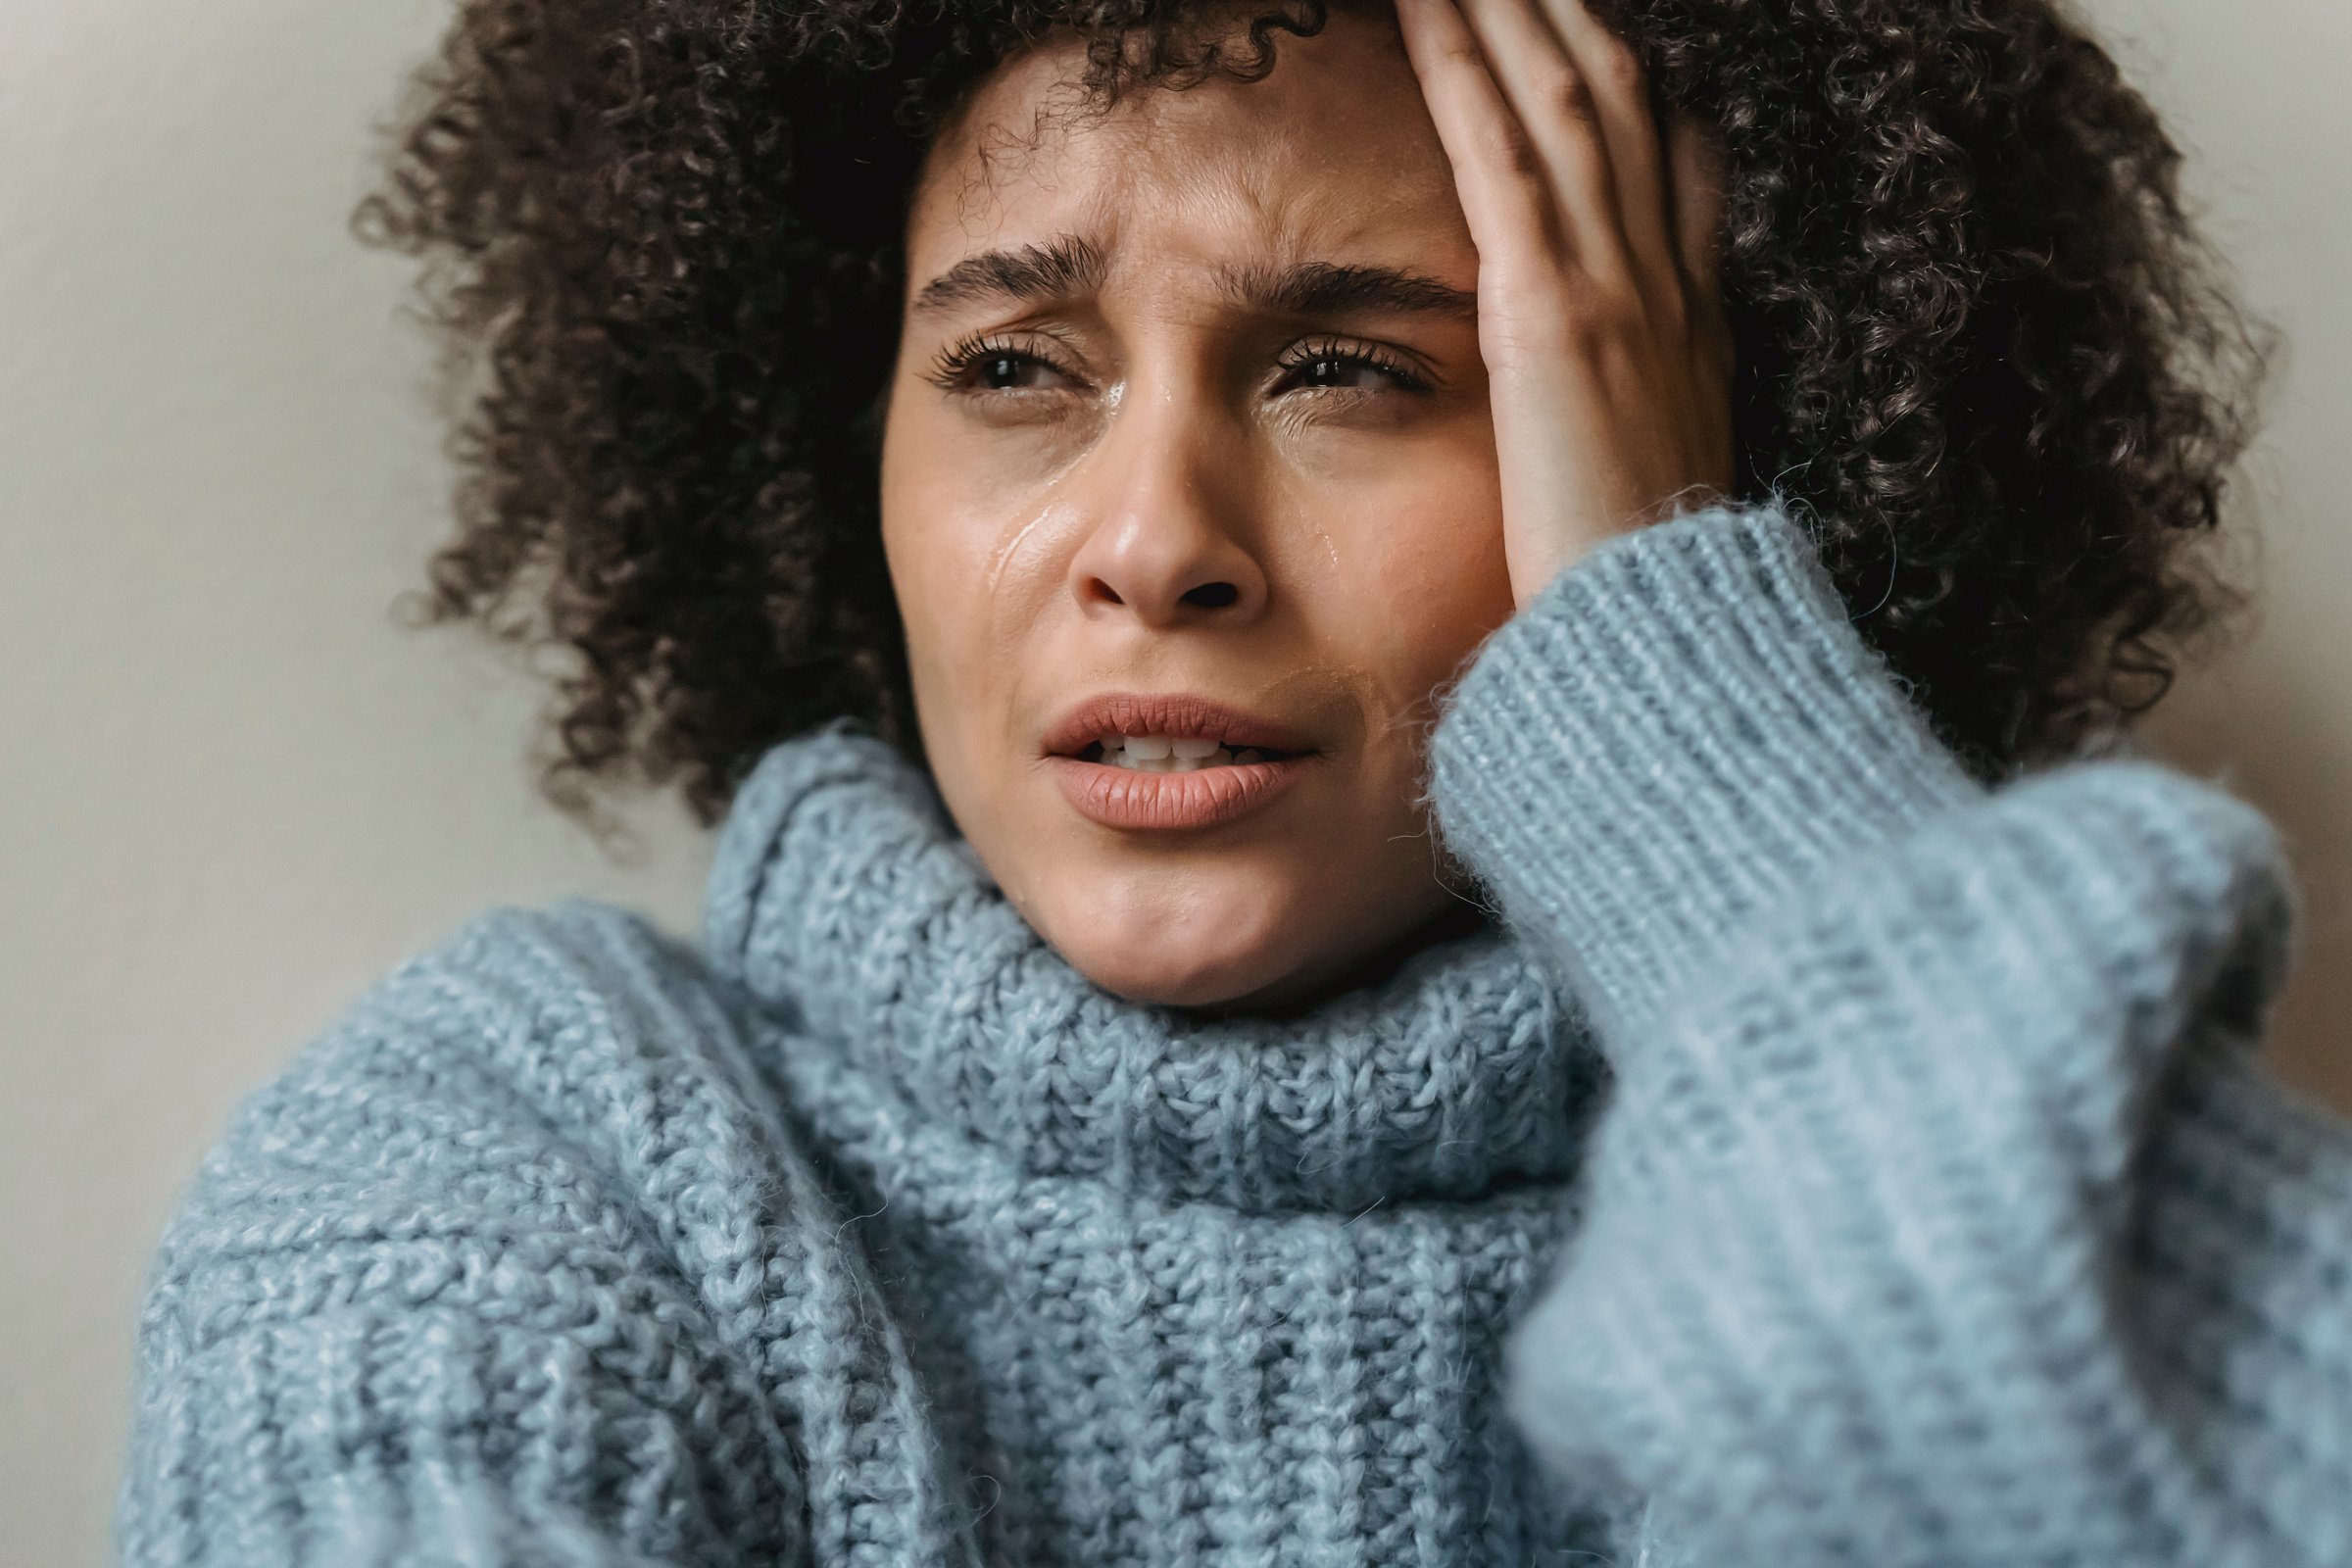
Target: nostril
[{"x": 1212, "y": 595}]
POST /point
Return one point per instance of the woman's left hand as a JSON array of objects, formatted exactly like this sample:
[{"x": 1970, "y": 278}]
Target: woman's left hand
[{"x": 1599, "y": 319}]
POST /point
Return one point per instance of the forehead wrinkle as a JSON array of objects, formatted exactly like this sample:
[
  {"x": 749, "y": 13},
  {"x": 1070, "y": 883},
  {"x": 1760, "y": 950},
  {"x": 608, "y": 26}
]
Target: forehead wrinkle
[
  {"x": 1277, "y": 208},
  {"x": 1237, "y": 209}
]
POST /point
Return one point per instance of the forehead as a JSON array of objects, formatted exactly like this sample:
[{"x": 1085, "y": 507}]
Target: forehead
[{"x": 1333, "y": 152}]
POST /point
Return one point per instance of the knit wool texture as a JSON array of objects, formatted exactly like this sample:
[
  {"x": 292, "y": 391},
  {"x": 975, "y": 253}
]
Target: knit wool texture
[{"x": 1818, "y": 1159}]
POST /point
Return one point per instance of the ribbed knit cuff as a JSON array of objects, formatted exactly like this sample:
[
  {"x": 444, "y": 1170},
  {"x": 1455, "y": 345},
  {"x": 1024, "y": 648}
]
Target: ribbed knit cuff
[{"x": 1678, "y": 730}]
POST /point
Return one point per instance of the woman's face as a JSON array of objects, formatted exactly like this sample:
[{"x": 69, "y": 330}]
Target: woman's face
[{"x": 1187, "y": 443}]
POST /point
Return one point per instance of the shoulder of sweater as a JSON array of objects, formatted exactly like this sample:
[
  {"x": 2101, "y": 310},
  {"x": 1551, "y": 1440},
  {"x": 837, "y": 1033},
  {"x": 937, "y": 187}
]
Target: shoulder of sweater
[
  {"x": 542, "y": 998},
  {"x": 576, "y": 1034},
  {"x": 538, "y": 1136}
]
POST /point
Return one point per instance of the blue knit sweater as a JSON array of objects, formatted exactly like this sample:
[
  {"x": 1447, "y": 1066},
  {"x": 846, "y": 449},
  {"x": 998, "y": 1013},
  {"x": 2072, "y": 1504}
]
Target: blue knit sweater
[{"x": 1819, "y": 1160}]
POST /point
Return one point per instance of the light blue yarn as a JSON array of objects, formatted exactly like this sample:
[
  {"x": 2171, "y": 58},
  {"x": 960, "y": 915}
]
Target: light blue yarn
[{"x": 1932, "y": 1210}]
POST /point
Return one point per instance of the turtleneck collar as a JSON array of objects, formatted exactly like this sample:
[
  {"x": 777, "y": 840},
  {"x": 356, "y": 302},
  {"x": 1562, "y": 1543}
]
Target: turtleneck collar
[{"x": 841, "y": 896}]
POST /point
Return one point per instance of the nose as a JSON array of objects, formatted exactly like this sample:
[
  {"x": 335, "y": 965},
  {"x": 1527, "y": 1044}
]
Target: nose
[{"x": 1171, "y": 541}]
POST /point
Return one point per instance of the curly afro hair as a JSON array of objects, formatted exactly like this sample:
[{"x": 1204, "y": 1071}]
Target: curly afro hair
[{"x": 1978, "y": 336}]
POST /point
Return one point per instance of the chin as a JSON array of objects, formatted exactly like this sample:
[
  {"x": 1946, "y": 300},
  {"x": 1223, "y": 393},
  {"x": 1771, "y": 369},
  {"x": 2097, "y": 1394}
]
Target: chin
[{"x": 1176, "y": 945}]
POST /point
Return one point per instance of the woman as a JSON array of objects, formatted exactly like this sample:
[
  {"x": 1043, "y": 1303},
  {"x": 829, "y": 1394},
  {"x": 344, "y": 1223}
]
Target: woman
[{"x": 1383, "y": 903}]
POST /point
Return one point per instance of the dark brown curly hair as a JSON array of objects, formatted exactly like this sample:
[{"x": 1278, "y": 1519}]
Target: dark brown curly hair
[{"x": 1977, "y": 334}]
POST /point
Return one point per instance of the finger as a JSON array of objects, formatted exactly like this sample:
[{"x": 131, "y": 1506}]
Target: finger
[
  {"x": 1496, "y": 172},
  {"x": 1698, "y": 159},
  {"x": 1619, "y": 91},
  {"x": 1556, "y": 108}
]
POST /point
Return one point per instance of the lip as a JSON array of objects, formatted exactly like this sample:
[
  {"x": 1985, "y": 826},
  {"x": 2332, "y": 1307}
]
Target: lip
[
  {"x": 1123, "y": 797},
  {"x": 1182, "y": 716}
]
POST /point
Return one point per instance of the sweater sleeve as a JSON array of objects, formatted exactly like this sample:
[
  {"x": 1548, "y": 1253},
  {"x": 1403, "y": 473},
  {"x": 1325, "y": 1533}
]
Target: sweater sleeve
[
  {"x": 1941, "y": 1213},
  {"x": 417, "y": 1306}
]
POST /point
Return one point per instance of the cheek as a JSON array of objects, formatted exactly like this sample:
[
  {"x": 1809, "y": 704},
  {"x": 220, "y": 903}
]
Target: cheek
[
  {"x": 933, "y": 553},
  {"x": 929, "y": 532},
  {"x": 970, "y": 576},
  {"x": 1425, "y": 579},
  {"x": 970, "y": 565}
]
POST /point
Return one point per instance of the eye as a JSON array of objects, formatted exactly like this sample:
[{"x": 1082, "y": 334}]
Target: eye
[
  {"x": 982, "y": 365},
  {"x": 1333, "y": 365}
]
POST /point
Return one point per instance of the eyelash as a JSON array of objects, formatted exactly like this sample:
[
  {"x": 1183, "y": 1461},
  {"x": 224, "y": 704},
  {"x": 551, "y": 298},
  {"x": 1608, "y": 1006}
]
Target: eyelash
[
  {"x": 1321, "y": 351},
  {"x": 953, "y": 370}
]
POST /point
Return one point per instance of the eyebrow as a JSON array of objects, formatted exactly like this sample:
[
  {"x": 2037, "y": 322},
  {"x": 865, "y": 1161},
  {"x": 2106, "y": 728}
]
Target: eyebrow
[
  {"x": 1072, "y": 265},
  {"x": 1332, "y": 288}
]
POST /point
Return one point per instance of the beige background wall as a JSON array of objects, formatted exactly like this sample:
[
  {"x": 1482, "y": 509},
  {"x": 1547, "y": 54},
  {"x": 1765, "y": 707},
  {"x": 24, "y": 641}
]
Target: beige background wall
[{"x": 232, "y": 790}]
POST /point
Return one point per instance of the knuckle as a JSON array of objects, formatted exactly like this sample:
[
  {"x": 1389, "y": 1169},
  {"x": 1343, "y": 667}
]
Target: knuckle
[
  {"x": 1571, "y": 95},
  {"x": 1622, "y": 67},
  {"x": 1547, "y": 331},
  {"x": 1461, "y": 54},
  {"x": 1512, "y": 152},
  {"x": 1520, "y": 343}
]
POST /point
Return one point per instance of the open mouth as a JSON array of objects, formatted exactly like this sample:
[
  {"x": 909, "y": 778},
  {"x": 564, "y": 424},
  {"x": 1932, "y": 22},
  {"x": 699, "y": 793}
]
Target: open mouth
[
  {"x": 1161, "y": 753},
  {"x": 1156, "y": 761}
]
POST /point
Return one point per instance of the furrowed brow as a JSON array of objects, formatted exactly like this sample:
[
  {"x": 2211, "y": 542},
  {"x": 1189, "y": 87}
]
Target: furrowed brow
[
  {"x": 1068, "y": 266},
  {"x": 1329, "y": 288},
  {"x": 1073, "y": 265}
]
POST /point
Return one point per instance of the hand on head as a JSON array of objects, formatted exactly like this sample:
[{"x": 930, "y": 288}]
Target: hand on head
[{"x": 1597, "y": 241}]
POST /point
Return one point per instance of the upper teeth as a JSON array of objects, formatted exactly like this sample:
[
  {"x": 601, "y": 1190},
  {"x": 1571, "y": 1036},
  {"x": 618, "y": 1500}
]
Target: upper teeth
[{"x": 1170, "y": 754}]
